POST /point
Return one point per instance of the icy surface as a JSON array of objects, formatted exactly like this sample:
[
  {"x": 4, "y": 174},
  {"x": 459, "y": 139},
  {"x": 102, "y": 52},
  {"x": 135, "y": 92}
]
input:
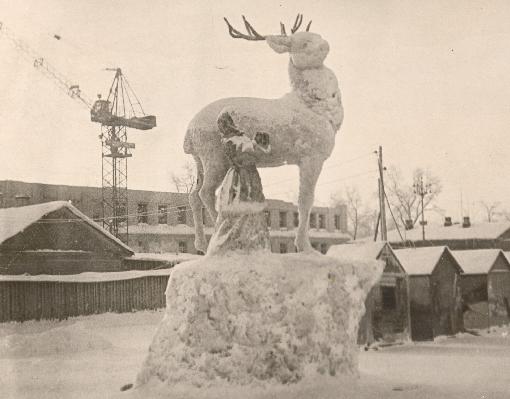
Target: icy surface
[{"x": 260, "y": 319}]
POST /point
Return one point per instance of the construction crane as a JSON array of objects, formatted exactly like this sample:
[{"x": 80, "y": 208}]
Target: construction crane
[{"x": 118, "y": 112}]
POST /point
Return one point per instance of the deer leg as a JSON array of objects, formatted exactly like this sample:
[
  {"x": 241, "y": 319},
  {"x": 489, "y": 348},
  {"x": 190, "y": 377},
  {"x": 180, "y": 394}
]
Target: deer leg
[
  {"x": 309, "y": 171},
  {"x": 196, "y": 208},
  {"x": 214, "y": 172}
]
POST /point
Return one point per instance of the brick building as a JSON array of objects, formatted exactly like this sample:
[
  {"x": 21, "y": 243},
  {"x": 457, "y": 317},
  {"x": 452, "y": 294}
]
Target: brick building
[{"x": 163, "y": 222}]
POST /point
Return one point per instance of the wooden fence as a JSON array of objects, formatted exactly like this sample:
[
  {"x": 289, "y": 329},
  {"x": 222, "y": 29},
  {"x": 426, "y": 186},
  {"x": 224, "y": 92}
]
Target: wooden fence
[{"x": 22, "y": 300}]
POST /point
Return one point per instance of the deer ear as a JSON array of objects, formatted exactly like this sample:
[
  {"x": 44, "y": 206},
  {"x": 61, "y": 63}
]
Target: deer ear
[{"x": 280, "y": 44}]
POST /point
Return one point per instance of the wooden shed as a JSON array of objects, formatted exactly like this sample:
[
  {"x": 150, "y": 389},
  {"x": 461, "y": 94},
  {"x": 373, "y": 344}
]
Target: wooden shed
[
  {"x": 387, "y": 305},
  {"x": 434, "y": 291},
  {"x": 56, "y": 238},
  {"x": 485, "y": 287}
]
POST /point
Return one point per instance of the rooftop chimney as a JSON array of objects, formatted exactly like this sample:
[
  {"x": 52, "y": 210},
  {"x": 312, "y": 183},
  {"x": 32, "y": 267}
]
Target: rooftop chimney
[
  {"x": 409, "y": 224},
  {"x": 466, "y": 222},
  {"x": 447, "y": 221}
]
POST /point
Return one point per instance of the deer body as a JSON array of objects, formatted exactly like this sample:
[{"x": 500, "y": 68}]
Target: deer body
[{"x": 301, "y": 126}]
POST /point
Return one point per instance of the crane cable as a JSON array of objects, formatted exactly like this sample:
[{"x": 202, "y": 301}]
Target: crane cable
[{"x": 64, "y": 84}]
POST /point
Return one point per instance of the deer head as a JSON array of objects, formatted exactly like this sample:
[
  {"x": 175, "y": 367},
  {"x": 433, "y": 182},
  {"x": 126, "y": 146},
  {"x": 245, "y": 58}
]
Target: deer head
[{"x": 306, "y": 49}]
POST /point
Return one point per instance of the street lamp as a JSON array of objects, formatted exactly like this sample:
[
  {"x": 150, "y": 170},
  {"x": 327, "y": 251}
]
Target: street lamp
[{"x": 422, "y": 190}]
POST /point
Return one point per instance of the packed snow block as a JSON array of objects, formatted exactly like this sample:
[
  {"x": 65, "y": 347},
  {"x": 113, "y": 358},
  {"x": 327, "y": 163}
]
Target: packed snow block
[{"x": 262, "y": 318}]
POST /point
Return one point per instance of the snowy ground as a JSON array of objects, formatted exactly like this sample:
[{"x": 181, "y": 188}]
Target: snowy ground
[{"x": 92, "y": 357}]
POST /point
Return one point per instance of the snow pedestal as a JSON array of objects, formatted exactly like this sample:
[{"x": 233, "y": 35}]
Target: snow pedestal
[{"x": 258, "y": 322}]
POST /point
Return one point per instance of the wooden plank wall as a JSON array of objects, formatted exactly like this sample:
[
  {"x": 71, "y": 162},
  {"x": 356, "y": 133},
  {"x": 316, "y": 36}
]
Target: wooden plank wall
[{"x": 29, "y": 300}]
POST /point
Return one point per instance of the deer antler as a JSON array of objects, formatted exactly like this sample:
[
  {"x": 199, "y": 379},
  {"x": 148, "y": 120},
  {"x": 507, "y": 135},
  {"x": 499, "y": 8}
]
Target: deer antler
[
  {"x": 297, "y": 23},
  {"x": 252, "y": 33}
]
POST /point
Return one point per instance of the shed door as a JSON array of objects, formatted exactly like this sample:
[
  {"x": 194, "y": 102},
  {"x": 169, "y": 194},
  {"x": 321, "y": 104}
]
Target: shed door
[
  {"x": 445, "y": 297},
  {"x": 421, "y": 322}
]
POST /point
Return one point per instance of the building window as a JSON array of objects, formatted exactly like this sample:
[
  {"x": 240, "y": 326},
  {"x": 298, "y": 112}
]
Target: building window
[
  {"x": 296, "y": 219},
  {"x": 163, "y": 214},
  {"x": 183, "y": 247},
  {"x": 283, "y": 248},
  {"x": 389, "y": 298},
  {"x": 142, "y": 213},
  {"x": 181, "y": 215},
  {"x": 322, "y": 221},
  {"x": 283, "y": 220},
  {"x": 22, "y": 199},
  {"x": 267, "y": 214},
  {"x": 324, "y": 248},
  {"x": 337, "y": 222},
  {"x": 313, "y": 221},
  {"x": 204, "y": 216}
]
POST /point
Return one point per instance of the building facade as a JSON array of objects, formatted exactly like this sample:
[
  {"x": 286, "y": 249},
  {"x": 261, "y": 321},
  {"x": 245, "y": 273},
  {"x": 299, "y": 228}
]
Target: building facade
[{"x": 163, "y": 221}]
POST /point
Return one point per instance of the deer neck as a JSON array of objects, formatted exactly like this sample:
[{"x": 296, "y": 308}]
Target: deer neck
[{"x": 317, "y": 89}]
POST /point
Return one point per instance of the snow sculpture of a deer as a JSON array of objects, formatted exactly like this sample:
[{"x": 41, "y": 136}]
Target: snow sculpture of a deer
[{"x": 301, "y": 125}]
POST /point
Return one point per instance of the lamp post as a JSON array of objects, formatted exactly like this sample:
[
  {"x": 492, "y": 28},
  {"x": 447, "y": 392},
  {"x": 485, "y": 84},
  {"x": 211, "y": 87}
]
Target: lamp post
[{"x": 422, "y": 190}]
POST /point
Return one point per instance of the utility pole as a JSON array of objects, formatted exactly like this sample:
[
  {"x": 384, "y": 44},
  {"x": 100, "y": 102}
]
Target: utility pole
[
  {"x": 422, "y": 190},
  {"x": 382, "y": 209}
]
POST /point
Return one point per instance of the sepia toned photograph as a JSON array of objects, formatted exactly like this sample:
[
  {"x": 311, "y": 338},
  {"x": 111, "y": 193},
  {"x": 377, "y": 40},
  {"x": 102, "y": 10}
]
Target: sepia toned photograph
[{"x": 254, "y": 199}]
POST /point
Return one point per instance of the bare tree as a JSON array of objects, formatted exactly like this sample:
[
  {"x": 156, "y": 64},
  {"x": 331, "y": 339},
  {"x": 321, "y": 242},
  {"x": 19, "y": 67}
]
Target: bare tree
[
  {"x": 186, "y": 180},
  {"x": 361, "y": 218},
  {"x": 403, "y": 198},
  {"x": 490, "y": 209}
]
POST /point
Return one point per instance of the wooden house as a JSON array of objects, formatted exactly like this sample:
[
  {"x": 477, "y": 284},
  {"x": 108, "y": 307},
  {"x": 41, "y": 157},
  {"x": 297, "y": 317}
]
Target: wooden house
[
  {"x": 56, "y": 238},
  {"x": 485, "y": 287},
  {"x": 434, "y": 291},
  {"x": 387, "y": 305}
]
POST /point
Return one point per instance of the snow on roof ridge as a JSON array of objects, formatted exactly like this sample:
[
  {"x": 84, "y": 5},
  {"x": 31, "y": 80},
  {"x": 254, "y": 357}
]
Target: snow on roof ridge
[
  {"x": 14, "y": 220},
  {"x": 420, "y": 260},
  {"x": 454, "y": 232},
  {"x": 477, "y": 261}
]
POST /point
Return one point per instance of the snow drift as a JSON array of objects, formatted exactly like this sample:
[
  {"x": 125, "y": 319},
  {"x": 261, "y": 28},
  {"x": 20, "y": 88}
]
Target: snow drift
[{"x": 56, "y": 341}]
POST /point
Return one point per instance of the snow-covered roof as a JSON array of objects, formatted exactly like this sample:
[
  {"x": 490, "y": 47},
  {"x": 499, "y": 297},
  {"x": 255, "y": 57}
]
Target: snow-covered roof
[
  {"x": 169, "y": 257},
  {"x": 477, "y": 261},
  {"x": 420, "y": 261},
  {"x": 455, "y": 232},
  {"x": 88, "y": 277},
  {"x": 14, "y": 220},
  {"x": 357, "y": 250}
]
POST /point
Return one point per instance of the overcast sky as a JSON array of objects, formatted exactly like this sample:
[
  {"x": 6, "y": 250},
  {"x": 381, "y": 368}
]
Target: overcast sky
[{"x": 428, "y": 81}]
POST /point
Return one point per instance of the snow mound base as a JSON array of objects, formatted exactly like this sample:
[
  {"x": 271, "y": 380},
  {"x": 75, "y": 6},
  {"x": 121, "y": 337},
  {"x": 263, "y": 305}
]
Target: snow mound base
[
  {"x": 56, "y": 341},
  {"x": 258, "y": 320}
]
